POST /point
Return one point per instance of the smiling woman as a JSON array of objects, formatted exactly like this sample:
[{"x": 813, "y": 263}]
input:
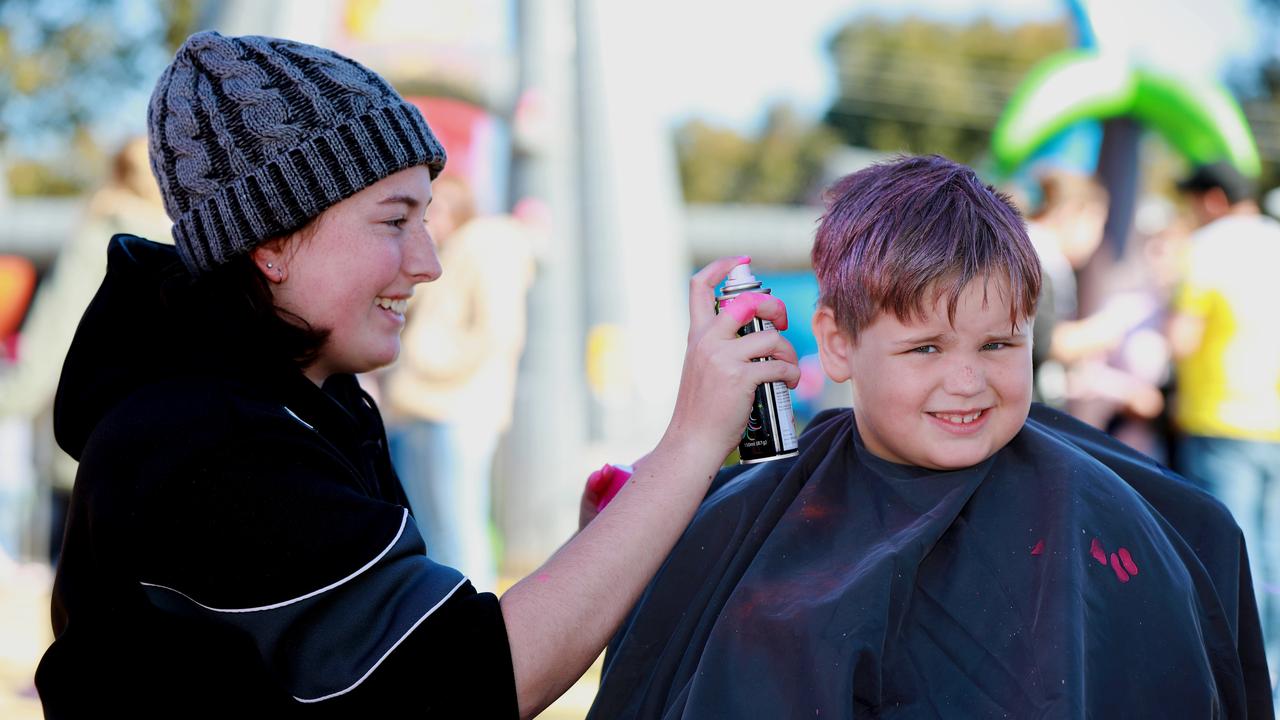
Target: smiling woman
[
  {"x": 239, "y": 543},
  {"x": 354, "y": 270}
]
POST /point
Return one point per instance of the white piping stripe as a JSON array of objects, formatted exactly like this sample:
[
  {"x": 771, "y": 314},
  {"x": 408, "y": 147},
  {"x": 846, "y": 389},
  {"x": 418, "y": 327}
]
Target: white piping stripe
[
  {"x": 404, "y": 519},
  {"x": 387, "y": 653},
  {"x": 295, "y": 417}
]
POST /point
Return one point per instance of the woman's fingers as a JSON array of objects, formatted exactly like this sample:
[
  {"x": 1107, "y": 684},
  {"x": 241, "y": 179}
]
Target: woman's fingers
[
  {"x": 763, "y": 344},
  {"x": 774, "y": 371},
  {"x": 598, "y": 481},
  {"x": 702, "y": 289}
]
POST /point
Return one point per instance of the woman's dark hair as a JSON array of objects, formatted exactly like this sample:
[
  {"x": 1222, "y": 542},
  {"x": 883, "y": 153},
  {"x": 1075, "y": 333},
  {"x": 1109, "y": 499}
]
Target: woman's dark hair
[{"x": 241, "y": 295}]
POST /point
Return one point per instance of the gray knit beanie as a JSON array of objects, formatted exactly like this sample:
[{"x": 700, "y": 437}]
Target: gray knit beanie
[{"x": 252, "y": 137}]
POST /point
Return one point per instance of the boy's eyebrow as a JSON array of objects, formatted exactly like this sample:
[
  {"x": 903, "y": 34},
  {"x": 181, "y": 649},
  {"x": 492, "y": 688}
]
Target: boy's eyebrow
[{"x": 927, "y": 340}]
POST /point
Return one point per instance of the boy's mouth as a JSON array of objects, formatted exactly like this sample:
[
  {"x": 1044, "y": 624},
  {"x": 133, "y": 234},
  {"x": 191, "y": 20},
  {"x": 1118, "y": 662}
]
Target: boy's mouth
[{"x": 964, "y": 421}]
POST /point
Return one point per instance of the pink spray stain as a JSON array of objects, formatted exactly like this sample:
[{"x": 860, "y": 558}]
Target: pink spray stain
[
  {"x": 1127, "y": 561},
  {"x": 617, "y": 476},
  {"x": 1097, "y": 552},
  {"x": 1121, "y": 575}
]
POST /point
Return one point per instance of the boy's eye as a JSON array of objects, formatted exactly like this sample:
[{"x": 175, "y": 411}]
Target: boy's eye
[
  {"x": 925, "y": 349},
  {"x": 995, "y": 346},
  {"x": 396, "y": 223}
]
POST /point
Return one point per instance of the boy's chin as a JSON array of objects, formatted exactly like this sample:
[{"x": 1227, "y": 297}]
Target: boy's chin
[{"x": 957, "y": 459}]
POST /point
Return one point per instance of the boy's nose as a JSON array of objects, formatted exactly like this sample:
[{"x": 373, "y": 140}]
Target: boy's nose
[{"x": 965, "y": 379}]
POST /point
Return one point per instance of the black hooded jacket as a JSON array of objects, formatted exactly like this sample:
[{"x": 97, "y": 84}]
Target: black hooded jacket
[{"x": 238, "y": 541}]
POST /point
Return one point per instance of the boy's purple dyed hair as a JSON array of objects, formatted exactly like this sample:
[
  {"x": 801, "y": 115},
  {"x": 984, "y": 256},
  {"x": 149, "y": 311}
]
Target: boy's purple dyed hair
[{"x": 897, "y": 236}]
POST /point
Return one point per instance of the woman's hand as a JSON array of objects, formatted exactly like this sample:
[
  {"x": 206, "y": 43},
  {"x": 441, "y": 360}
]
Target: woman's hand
[{"x": 718, "y": 382}]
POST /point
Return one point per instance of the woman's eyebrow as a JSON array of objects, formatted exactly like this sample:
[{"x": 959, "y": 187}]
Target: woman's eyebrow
[{"x": 408, "y": 200}]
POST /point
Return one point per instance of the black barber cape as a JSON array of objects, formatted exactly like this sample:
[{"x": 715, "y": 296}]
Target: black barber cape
[
  {"x": 1067, "y": 576},
  {"x": 238, "y": 544}
]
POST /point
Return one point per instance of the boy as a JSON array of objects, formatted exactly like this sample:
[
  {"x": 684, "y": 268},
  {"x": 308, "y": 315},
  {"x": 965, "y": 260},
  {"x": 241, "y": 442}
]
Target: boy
[{"x": 945, "y": 549}]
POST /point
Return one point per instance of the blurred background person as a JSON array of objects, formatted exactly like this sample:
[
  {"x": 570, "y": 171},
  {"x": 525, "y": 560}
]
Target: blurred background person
[
  {"x": 1122, "y": 388},
  {"x": 1065, "y": 226},
  {"x": 17, "y": 281},
  {"x": 1226, "y": 337},
  {"x": 128, "y": 201},
  {"x": 450, "y": 395}
]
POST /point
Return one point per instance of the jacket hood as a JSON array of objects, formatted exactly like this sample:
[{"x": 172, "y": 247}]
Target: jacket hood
[{"x": 145, "y": 325}]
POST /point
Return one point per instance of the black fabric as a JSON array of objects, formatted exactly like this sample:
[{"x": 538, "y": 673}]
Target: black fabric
[
  {"x": 1065, "y": 577},
  {"x": 238, "y": 541}
]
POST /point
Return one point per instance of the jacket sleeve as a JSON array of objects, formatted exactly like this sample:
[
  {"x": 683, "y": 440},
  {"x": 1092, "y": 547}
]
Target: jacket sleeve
[{"x": 271, "y": 535}]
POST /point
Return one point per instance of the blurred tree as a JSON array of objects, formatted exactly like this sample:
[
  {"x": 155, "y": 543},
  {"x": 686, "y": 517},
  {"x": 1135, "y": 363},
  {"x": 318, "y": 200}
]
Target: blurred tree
[
  {"x": 912, "y": 85},
  {"x": 711, "y": 160},
  {"x": 926, "y": 86},
  {"x": 1262, "y": 93},
  {"x": 66, "y": 70},
  {"x": 782, "y": 165}
]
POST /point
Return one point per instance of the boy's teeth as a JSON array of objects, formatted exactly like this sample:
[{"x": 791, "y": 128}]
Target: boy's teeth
[{"x": 959, "y": 419}]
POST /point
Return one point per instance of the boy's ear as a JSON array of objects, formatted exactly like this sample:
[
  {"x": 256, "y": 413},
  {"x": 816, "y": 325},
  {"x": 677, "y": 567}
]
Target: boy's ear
[{"x": 835, "y": 347}]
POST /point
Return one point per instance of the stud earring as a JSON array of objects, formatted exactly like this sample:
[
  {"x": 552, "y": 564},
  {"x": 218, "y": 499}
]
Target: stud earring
[{"x": 268, "y": 266}]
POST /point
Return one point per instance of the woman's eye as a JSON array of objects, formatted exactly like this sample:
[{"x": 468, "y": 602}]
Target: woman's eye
[{"x": 397, "y": 223}]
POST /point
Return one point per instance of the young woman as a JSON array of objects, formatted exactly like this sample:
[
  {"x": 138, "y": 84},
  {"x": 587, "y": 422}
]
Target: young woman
[{"x": 238, "y": 539}]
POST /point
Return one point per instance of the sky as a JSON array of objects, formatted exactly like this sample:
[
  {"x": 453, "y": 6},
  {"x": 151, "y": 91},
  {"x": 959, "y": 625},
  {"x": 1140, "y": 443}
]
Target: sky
[{"x": 729, "y": 75}]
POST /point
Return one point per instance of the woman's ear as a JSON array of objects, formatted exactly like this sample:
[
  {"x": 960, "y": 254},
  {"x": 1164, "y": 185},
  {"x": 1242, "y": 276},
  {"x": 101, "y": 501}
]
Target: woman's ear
[
  {"x": 269, "y": 261},
  {"x": 835, "y": 347}
]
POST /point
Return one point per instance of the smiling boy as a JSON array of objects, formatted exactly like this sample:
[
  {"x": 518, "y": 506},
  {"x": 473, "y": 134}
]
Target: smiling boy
[{"x": 944, "y": 549}]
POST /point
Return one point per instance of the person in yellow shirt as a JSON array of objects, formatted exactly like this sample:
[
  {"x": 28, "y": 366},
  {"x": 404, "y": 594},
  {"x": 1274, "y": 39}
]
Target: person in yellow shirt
[{"x": 1225, "y": 335}]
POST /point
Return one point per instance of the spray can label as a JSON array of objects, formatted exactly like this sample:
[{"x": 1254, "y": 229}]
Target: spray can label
[{"x": 771, "y": 430}]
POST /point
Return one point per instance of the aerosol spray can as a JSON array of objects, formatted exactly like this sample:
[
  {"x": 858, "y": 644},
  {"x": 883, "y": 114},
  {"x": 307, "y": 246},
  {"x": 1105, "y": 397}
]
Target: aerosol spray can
[{"x": 771, "y": 431}]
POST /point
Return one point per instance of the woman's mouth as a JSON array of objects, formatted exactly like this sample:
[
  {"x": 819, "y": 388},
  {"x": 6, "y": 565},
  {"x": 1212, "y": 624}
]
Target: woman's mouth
[{"x": 395, "y": 305}]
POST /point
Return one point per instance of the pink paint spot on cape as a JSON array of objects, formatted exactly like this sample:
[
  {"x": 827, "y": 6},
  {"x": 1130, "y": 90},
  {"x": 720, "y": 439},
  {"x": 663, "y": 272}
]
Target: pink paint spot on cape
[
  {"x": 1039, "y": 548},
  {"x": 1097, "y": 552},
  {"x": 1127, "y": 561},
  {"x": 815, "y": 511},
  {"x": 1121, "y": 575}
]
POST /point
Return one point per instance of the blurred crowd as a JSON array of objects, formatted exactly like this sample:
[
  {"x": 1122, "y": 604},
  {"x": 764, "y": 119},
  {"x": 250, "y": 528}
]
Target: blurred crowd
[{"x": 1175, "y": 349}]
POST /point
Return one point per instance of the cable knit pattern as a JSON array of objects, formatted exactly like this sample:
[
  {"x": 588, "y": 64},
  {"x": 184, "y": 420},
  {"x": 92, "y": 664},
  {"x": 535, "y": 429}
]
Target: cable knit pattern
[{"x": 252, "y": 137}]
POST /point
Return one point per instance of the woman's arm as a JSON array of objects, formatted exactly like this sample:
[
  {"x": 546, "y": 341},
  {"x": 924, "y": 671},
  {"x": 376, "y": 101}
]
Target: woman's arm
[{"x": 560, "y": 618}]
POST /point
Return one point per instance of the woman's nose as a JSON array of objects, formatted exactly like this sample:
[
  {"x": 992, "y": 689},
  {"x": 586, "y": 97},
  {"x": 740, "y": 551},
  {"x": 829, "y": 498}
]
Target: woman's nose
[{"x": 421, "y": 262}]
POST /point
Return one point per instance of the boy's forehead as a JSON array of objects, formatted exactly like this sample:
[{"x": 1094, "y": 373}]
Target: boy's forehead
[{"x": 982, "y": 304}]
